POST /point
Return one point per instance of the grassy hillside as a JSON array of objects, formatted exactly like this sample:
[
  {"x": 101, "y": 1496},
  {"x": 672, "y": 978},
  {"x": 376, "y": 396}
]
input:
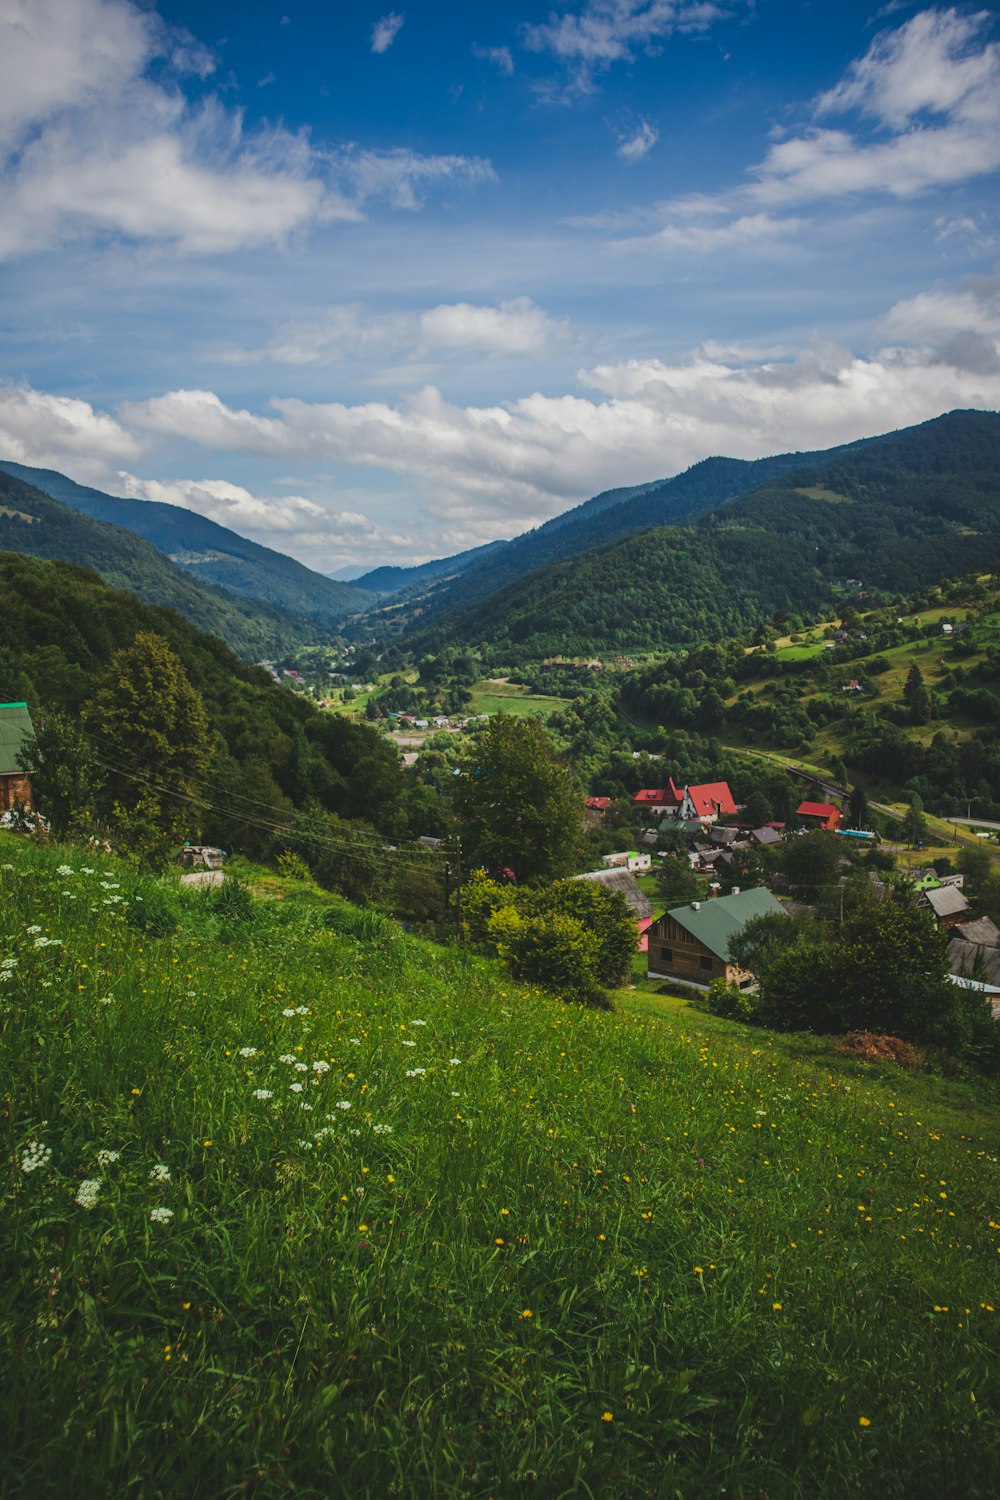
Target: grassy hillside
[
  {"x": 311, "y": 1209},
  {"x": 212, "y": 553},
  {"x": 38, "y": 526}
]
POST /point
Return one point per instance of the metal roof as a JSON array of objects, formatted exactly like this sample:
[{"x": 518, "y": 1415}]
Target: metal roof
[
  {"x": 713, "y": 923},
  {"x": 623, "y": 883},
  {"x": 15, "y": 729}
]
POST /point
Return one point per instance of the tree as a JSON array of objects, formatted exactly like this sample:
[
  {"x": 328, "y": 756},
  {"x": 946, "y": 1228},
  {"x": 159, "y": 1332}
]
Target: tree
[
  {"x": 857, "y": 806},
  {"x": 915, "y": 824},
  {"x": 811, "y": 864},
  {"x": 602, "y": 912},
  {"x": 916, "y": 697},
  {"x": 66, "y": 779},
  {"x": 676, "y": 882},
  {"x": 518, "y": 806},
  {"x": 152, "y": 733}
]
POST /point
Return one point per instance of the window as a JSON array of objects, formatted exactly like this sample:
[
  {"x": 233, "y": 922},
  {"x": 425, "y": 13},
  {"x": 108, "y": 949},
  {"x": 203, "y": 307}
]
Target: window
[
  {"x": 706, "y": 963},
  {"x": 667, "y": 955}
]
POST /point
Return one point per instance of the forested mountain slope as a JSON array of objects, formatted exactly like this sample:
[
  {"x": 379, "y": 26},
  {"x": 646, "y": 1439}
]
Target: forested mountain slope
[
  {"x": 212, "y": 553},
  {"x": 903, "y": 510},
  {"x": 33, "y": 523}
]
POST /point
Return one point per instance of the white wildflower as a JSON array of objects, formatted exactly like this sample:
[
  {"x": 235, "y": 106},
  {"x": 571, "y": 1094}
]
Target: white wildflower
[
  {"x": 105, "y": 999},
  {"x": 343, "y": 1103},
  {"x": 160, "y": 1173},
  {"x": 35, "y": 1156},
  {"x": 297, "y": 1088},
  {"x": 88, "y": 1193},
  {"x": 34, "y": 928},
  {"x": 382, "y": 1130},
  {"x": 455, "y": 1094},
  {"x": 64, "y": 870},
  {"x": 263, "y": 1094},
  {"x": 288, "y": 1057},
  {"x": 305, "y": 1106},
  {"x": 455, "y": 1061},
  {"x": 288, "y": 1011},
  {"x": 301, "y": 1067},
  {"x": 248, "y": 1051},
  {"x": 86, "y": 870},
  {"x": 301, "y": 1010},
  {"x": 321, "y": 1066},
  {"x": 8, "y": 963},
  {"x": 418, "y": 1023},
  {"x": 409, "y": 1044},
  {"x": 355, "y": 1041},
  {"x": 108, "y": 1158},
  {"x": 6, "y": 975},
  {"x": 415, "y": 1072},
  {"x": 160, "y": 1215}
]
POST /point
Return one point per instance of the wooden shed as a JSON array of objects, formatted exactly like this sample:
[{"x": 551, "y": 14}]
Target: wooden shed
[{"x": 16, "y": 735}]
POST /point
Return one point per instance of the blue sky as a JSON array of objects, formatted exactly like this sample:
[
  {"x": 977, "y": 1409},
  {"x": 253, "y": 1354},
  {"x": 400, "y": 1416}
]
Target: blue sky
[{"x": 375, "y": 284}]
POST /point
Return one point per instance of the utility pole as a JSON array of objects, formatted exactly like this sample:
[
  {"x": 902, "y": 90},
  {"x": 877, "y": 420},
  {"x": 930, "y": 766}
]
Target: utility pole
[{"x": 458, "y": 888}]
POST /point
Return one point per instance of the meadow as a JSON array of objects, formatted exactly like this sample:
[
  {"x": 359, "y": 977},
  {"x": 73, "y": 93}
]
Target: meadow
[{"x": 298, "y": 1204}]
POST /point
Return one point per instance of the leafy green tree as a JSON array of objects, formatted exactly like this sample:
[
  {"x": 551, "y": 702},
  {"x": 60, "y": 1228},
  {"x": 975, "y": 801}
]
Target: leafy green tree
[
  {"x": 66, "y": 780},
  {"x": 914, "y": 823},
  {"x": 341, "y": 856},
  {"x": 811, "y": 865},
  {"x": 518, "y": 806},
  {"x": 554, "y": 950},
  {"x": 153, "y": 737},
  {"x": 602, "y": 912},
  {"x": 676, "y": 882},
  {"x": 857, "y": 806}
]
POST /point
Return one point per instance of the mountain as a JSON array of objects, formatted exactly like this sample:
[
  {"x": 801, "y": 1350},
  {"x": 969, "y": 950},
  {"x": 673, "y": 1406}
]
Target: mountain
[
  {"x": 210, "y": 552},
  {"x": 899, "y": 511},
  {"x": 393, "y": 580},
  {"x": 33, "y": 523}
]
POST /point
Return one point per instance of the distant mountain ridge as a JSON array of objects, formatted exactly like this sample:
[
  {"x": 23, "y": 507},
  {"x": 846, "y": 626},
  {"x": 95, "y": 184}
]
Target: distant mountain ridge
[
  {"x": 208, "y": 551},
  {"x": 34, "y": 524},
  {"x": 901, "y": 510}
]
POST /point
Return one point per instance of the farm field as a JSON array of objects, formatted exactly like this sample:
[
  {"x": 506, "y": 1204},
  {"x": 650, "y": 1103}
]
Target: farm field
[
  {"x": 295, "y": 1204},
  {"x": 493, "y": 696}
]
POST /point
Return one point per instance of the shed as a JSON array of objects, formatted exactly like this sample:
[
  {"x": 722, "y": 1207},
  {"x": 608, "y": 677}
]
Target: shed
[
  {"x": 946, "y": 902},
  {"x": 16, "y": 735}
]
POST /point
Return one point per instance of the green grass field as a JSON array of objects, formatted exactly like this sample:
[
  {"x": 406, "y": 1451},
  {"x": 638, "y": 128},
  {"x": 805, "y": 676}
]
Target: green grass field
[
  {"x": 494, "y": 697},
  {"x": 293, "y": 1209}
]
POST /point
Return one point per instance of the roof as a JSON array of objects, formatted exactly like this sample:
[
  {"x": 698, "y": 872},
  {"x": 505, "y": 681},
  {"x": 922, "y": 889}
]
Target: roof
[
  {"x": 946, "y": 901},
  {"x": 598, "y": 802},
  {"x": 714, "y": 923},
  {"x": 657, "y": 795},
  {"x": 622, "y": 882},
  {"x": 817, "y": 810},
  {"x": 712, "y": 797},
  {"x": 974, "y": 961},
  {"x": 766, "y": 835},
  {"x": 15, "y": 729},
  {"x": 982, "y": 931}
]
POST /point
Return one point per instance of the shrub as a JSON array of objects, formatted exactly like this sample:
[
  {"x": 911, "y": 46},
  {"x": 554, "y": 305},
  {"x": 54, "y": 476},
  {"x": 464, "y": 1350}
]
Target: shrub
[
  {"x": 726, "y": 1000},
  {"x": 554, "y": 950},
  {"x": 293, "y": 867},
  {"x": 152, "y": 910}
]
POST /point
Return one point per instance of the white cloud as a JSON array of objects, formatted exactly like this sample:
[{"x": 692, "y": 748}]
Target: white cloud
[
  {"x": 319, "y": 536},
  {"x": 499, "y": 56},
  {"x": 385, "y": 31},
  {"x": 749, "y": 230},
  {"x": 397, "y": 176},
  {"x": 635, "y": 147},
  {"x": 92, "y": 145},
  {"x": 609, "y": 31},
  {"x": 515, "y": 327},
  {"x": 60, "y": 432}
]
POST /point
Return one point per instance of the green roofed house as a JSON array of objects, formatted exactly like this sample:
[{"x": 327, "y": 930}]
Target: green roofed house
[
  {"x": 691, "y": 943},
  {"x": 15, "y": 779}
]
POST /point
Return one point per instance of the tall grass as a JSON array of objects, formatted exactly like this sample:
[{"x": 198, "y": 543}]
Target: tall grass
[{"x": 414, "y": 1230}]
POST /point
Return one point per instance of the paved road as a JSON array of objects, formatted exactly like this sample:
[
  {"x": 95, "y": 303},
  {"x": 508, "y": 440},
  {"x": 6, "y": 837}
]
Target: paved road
[{"x": 972, "y": 822}]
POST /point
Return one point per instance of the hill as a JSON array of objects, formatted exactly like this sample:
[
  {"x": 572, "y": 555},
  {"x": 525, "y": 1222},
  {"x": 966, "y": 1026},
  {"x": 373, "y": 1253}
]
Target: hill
[
  {"x": 902, "y": 510},
  {"x": 274, "y": 751},
  {"x": 33, "y": 523},
  {"x": 298, "y": 1204},
  {"x": 392, "y": 580},
  {"x": 212, "y": 553}
]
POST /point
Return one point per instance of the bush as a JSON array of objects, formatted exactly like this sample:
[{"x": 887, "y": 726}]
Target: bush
[
  {"x": 293, "y": 867},
  {"x": 554, "y": 950},
  {"x": 152, "y": 911},
  {"x": 233, "y": 904},
  {"x": 726, "y": 1000}
]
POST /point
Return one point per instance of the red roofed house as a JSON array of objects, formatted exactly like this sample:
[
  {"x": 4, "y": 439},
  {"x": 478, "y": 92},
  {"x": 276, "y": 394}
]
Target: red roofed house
[
  {"x": 595, "y": 807},
  {"x": 820, "y": 814},
  {"x": 707, "y": 802}
]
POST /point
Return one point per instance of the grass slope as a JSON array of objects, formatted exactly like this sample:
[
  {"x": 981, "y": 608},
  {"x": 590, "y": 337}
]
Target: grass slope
[{"x": 375, "y": 1221}]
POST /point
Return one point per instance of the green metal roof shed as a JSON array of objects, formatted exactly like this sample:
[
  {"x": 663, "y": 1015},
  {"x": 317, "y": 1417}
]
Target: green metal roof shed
[
  {"x": 15, "y": 729},
  {"x": 713, "y": 923}
]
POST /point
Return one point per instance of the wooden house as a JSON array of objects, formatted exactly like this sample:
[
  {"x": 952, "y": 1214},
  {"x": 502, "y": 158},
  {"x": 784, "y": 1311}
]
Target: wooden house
[
  {"x": 691, "y": 942},
  {"x": 16, "y": 734},
  {"x": 820, "y": 815}
]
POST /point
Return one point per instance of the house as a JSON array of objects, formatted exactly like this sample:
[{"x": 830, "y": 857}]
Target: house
[
  {"x": 628, "y": 859},
  {"x": 594, "y": 808},
  {"x": 16, "y": 734},
  {"x": 946, "y": 902},
  {"x": 765, "y": 837},
  {"x": 201, "y": 857},
  {"x": 623, "y": 884},
  {"x": 976, "y": 966},
  {"x": 691, "y": 943},
  {"x": 853, "y": 686},
  {"x": 820, "y": 814},
  {"x": 688, "y": 804}
]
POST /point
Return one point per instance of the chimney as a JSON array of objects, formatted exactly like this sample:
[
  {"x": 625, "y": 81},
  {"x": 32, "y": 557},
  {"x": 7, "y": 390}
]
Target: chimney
[
  {"x": 696, "y": 906},
  {"x": 735, "y": 891}
]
